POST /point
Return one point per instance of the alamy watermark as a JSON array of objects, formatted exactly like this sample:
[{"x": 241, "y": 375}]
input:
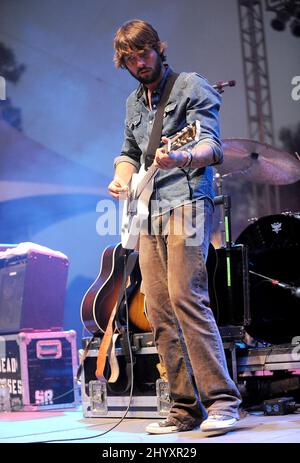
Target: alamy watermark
[
  {"x": 295, "y": 94},
  {"x": 296, "y": 349},
  {"x": 185, "y": 219},
  {"x": 2, "y": 88}
]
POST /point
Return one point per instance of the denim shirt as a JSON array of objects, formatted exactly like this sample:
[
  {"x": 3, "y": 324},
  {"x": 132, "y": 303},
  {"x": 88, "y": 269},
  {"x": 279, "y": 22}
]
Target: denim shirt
[{"x": 192, "y": 98}]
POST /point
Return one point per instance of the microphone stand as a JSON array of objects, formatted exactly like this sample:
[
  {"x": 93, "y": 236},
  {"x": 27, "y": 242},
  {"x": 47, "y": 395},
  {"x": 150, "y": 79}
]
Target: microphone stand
[
  {"x": 224, "y": 200},
  {"x": 294, "y": 290},
  {"x": 225, "y": 222}
]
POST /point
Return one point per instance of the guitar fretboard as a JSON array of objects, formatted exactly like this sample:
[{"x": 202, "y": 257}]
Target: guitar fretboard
[{"x": 188, "y": 134}]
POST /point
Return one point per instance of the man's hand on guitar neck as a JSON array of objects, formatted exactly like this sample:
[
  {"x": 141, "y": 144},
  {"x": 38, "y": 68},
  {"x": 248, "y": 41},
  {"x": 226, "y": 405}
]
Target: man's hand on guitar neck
[
  {"x": 201, "y": 155},
  {"x": 167, "y": 159}
]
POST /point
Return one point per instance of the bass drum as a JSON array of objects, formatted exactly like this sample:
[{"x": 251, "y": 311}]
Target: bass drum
[{"x": 274, "y": 251}]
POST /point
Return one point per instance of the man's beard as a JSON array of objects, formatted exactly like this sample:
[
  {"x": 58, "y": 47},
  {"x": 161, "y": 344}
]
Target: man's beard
[{"x": 153, "y": 74}]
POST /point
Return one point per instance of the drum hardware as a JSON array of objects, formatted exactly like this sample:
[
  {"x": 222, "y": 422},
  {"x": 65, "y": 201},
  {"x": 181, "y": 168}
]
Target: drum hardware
[
  {"x": 291, "y": 213},
  {"x": 226, "y": 250},
  {"x": 230, "y": 276},
  {"x": 258, "y": 162},
  {"x": 252, "y": 219},
  {"x": 295, "y": 291},
  {"x": 225, "y": 222},
  {"x": 273, "y": 244},
  {"x": 268, "y": 314}
]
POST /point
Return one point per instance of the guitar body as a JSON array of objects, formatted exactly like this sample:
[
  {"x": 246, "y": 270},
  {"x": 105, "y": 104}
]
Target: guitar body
[
  {"x": 135, "y": 212},
  {"x": 101, "y": 297},
  {"x": 137, "y": 312}
]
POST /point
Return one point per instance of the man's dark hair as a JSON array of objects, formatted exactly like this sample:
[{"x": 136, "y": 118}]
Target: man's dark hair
[{"x": 134, "y": 36}]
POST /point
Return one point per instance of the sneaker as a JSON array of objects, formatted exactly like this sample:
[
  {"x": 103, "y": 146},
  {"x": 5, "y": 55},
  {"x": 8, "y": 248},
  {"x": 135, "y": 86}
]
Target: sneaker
[
  {"x": 218, "y": 424},
  {"x": 166, "y": 427}
]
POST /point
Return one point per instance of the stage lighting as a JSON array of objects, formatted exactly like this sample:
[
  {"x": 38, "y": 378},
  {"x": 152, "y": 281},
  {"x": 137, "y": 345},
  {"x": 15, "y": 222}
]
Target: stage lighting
[
  {"x": 295, "y": 27},
  {"x": 279, "y": 22}
]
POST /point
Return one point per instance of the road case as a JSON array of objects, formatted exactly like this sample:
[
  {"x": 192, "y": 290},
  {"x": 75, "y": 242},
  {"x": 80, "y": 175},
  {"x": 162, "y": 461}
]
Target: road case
[{"x": 40, "y": 369}]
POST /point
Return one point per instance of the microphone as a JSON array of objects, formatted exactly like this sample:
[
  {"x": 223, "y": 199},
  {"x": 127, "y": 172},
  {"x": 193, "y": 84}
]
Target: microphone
[
  {"x": 294, "y": 289},
  {"x": 219, "y": 86}
]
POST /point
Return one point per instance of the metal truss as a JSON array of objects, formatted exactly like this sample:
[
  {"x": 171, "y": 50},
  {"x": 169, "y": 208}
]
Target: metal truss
[{"x": 258, "y": 95}]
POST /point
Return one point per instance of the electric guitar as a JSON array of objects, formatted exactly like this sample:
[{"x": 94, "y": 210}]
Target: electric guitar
[{"x": 135, "y": 207}]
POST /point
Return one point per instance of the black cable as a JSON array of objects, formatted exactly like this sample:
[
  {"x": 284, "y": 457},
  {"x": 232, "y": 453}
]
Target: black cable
[
  {"x": 55, "y": 398},
  {"x": 131, "y": 371}
]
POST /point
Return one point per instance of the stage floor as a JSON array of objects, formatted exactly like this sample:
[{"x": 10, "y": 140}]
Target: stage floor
[{"x": 70, "y": 426}]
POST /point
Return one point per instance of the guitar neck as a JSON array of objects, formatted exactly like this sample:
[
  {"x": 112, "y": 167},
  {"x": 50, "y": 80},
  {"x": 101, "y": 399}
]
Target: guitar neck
[{"x": 188, "y": 134}]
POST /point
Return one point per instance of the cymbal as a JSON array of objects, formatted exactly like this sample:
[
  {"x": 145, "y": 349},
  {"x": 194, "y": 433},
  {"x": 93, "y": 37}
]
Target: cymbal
[{"x": 258, "y": 162}]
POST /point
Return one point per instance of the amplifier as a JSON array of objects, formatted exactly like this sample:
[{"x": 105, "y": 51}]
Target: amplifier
[
  {"x": 32, "y": 292},
  {"x": 228, "y": 278}
]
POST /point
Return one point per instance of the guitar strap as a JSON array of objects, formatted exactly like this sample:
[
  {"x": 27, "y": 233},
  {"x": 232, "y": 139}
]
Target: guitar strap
[
  {"x": 108, "y": 338},
  {"x": 155, "y": 136},
  {"x": 83, "y": 357},
  {"x": 107, "y": 347},
  {"x": 113, "y": 361},
  {"x": 104, "y": 346},
  {"x": 121, "y": 318}
]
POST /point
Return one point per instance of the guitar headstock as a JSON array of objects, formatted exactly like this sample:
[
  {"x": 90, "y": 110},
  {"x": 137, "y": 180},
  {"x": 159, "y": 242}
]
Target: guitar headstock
[{"x": 190, "y": 133}]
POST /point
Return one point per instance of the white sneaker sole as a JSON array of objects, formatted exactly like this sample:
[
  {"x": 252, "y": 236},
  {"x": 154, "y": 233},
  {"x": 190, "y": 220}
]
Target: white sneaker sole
[
  {"x": 217, "y": 427},
  {"x": 216, "y": 431},
  {"x": 156, "y": 429}
]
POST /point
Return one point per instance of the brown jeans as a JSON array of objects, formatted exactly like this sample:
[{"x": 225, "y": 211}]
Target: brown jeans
[{"x": 173, "y": 266}]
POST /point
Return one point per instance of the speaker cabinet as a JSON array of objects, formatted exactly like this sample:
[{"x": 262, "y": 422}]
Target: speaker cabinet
[
  {"x": 229, "y": 285},
  {"x": 32, "y": 292}
]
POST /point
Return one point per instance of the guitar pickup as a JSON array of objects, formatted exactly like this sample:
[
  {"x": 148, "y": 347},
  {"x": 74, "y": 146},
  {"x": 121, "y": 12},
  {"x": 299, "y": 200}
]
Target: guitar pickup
[{"x": 132, "y": 207}]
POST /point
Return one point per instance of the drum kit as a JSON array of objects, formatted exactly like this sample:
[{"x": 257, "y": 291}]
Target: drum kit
[
  {"x": 258, "y": 162},
  {"x": 273, "y": 241}
]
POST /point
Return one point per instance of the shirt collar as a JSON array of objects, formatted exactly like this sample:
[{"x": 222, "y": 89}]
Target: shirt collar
[{"x": 141, "y": 90}]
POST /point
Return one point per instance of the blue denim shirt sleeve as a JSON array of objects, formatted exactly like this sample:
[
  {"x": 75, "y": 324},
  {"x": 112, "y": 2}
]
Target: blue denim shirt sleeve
[
  {"x": 130, "y": 151},
  {"x": 203, "y": 104}
]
